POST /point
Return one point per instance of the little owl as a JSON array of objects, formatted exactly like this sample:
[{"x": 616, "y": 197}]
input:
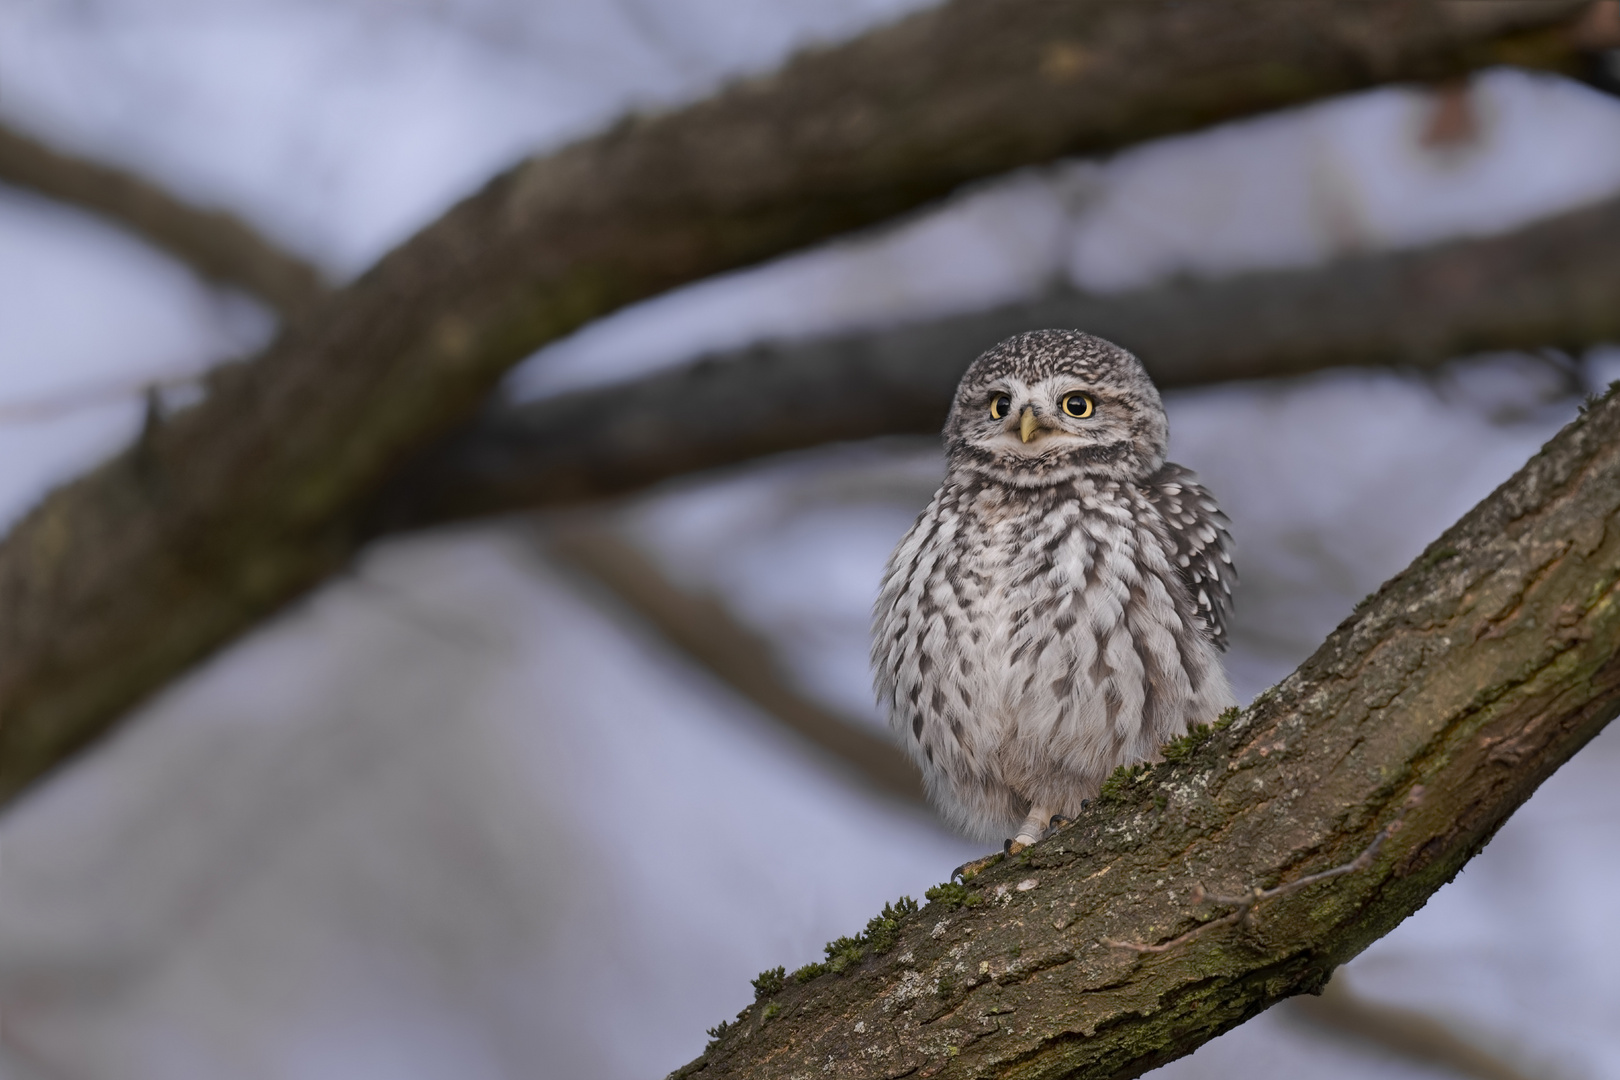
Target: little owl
[{"x": 1057, "y": 610}]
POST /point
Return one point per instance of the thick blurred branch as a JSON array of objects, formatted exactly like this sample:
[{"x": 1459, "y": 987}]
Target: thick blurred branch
[
  {"x": 1410, "y": 1033},
  {"x": 1426, "y": 718},
  {"x": 217, "y": 245},
  {"x": 1553, "y": 283},
  {"x": 220, "y": 516},
  {"x": 701, "y": 627}
]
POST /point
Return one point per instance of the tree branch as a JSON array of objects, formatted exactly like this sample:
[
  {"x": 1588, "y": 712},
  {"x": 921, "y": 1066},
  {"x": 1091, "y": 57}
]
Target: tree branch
[
  {"x": 1471, "y": 676},
  {"x": 1244, "y": 904},
  {"x": 1553, "y": 283},
  {"x": 217, "y": 245},
  {"x": 230, "y": 509}
]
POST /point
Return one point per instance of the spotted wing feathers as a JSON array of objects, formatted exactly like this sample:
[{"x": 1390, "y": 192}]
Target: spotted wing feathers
[{"x": 1201, "y": 546}]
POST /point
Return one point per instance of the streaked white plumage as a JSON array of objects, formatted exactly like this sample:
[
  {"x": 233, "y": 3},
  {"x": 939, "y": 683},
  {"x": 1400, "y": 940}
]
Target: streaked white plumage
[{"x": 1058, "y": 609}]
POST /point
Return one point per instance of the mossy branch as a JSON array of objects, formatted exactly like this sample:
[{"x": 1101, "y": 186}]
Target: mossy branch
[{"x": 1323, "y": 815}]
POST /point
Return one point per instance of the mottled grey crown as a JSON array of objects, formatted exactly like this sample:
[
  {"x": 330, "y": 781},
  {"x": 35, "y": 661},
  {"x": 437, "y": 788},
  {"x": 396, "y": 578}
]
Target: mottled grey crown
[{"x": 1126, "y": 439}]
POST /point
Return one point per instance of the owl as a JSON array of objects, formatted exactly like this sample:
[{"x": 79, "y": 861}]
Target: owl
[{"x": 1059, "y": 608}]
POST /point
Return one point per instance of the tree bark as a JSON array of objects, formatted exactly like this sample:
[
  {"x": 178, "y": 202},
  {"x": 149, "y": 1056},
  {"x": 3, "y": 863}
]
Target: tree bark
[
  {"x": 1554, "y": 283},
  {"x": 1351, "y": 791},
  {"x": 225, "y": 512}
]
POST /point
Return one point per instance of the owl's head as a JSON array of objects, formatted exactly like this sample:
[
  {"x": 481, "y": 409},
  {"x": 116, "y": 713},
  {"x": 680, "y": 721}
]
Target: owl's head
[{"x": 1051, "y": 406}]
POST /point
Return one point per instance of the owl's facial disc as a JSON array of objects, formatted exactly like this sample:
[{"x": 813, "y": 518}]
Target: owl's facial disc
[
  {"x": 1036, "y": 421},
  {"x": 1052, "y": 406},
  {"x": 1048, "y": 430}
]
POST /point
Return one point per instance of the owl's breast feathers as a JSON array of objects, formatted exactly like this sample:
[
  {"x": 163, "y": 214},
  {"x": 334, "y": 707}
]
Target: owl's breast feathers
[{"x": 1027, "y": 641}]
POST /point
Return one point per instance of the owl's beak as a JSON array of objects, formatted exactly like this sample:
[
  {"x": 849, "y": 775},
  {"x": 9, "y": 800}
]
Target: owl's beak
[{"x": 1027, "y": 424}]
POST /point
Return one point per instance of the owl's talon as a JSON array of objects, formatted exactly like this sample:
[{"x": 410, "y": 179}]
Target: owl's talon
[
  {"x": 971, "y": 869},
  {"x": 1058, "y": 820},
  {"x": 1013, "y": 847}
]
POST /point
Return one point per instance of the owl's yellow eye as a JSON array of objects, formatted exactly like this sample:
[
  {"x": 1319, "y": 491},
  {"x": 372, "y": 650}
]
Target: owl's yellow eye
[
  {"x": 999, "y": 404},
  {"x": 1078, "y": 406}
]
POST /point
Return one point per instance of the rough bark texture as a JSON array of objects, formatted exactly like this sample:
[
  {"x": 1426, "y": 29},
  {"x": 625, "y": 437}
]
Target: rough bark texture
[
  {"x": 1468, "y": 678},
  {"x": 1554, "y": 283},
  {"x": 215, "y": 244},
  {"x": 225, "y": 512}
]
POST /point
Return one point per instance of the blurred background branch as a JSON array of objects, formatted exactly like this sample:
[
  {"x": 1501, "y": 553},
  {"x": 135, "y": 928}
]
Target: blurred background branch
[
  {"x": 410, "y": 816},
  {"x": 1555, "y": 283},
  {"x": 706, "y": 631},
  {"x": 1408, "y": 1033},
  {"x": 219, "y": 517}
]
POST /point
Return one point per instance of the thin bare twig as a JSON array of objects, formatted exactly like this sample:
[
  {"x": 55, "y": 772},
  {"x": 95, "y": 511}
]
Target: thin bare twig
[
  {"x": 1244, "y": 905},
  {"x": 216, "y": 244},
  {"x": 90, "y": 395}
]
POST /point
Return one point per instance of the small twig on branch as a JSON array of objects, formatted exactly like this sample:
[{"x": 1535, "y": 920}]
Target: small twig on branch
[
  {"x": 87, "y": 396},
  {"x": 216, "y": 244},
  {"x": 1243, "y": 906}
]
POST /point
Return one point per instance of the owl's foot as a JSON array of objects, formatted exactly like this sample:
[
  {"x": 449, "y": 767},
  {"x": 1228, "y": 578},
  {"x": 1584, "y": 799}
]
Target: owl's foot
[
  {"x": 970, "y": 869},
  {"x": 1009, "y": 848},
  {"x": 1060, "y": 820},
  {"x": 1032, "y": 831},
  {"x": 1036, "y": 827}
]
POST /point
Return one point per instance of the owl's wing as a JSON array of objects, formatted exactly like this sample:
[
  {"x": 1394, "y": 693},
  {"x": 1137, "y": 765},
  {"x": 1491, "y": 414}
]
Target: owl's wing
[{"x": 1201, "y": 545}]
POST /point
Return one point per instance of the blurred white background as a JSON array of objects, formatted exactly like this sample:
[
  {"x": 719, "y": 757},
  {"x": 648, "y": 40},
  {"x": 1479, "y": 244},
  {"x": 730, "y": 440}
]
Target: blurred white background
[{"x": 461, "y": 814}]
